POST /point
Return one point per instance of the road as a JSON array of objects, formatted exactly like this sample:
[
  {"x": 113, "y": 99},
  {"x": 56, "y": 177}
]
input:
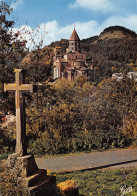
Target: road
[{"x": 121, "y": 158}]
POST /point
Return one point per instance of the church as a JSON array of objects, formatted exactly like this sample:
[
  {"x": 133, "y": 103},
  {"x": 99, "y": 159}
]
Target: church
[{"x": 73, "y": 63}]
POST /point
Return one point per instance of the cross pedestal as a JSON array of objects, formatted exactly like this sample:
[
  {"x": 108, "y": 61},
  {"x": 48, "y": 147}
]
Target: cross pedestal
[{"x": 18, "y": 87}]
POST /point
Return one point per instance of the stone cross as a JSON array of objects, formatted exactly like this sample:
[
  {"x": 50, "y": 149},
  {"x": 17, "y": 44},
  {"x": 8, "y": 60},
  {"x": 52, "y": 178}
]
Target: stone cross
[{"x": 18, "y": 87}]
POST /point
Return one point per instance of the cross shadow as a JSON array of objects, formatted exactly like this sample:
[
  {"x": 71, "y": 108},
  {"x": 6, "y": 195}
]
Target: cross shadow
[
  {"x": 109, "y": 165},
  {"x": 103, "y": 166}
]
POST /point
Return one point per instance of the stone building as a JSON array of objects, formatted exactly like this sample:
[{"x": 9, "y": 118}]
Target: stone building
[{"x": 73, "y": 63}]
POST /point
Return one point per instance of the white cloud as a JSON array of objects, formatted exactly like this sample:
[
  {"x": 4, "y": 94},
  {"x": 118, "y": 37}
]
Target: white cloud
[
  {"x": 51, "y": 31},
  {"x": 96, "y": 5},
  {"x": 128, "y": 22},
  {"x": 85, "y": 29},
  {"x": 14, "y": 5}
]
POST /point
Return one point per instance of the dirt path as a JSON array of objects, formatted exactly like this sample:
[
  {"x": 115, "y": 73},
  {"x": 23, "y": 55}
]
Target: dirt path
[{"x": 122, "y": 158}]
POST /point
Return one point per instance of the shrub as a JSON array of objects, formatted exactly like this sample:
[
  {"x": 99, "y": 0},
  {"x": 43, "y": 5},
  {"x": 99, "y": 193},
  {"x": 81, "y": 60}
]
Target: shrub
[
  {"x": 68, "y": 188},
  {"x": 11, "y": 183}
]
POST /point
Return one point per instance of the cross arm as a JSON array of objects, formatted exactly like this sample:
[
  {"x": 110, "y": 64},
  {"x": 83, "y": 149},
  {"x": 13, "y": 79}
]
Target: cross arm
[
  {"x": 26, "y": 87},
  {"x": 8, "y": 87}
]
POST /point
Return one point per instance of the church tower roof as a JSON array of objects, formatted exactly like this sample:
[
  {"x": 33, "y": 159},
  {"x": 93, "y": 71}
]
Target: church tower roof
[{"x": 74, "y": 36}]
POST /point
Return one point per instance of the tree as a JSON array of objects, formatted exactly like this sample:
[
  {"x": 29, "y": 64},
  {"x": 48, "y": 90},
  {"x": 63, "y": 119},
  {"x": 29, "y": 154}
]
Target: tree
[{"x": 12, "y": 50}]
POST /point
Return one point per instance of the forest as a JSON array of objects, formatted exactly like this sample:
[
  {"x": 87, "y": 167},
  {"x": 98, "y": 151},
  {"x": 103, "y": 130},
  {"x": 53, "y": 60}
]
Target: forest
[{"x": 64, "y": 116}]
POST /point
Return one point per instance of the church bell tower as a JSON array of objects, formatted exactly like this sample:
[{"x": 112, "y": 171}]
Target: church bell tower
[{"x": 74, "y": 42}]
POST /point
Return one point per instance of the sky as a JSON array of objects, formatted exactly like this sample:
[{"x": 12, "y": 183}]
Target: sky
[{"x": 52, "y": 20}]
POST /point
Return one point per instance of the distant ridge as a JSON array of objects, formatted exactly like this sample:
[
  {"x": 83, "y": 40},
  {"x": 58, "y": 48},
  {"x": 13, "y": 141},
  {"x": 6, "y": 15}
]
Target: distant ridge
[
  {"x": 114, "y": 32},
  {"x": 119, "y": 28},
  {"x": 112, "y": 51}
]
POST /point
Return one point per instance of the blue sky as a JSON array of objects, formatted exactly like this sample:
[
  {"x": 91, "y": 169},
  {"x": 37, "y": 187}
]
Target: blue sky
[{"x": 57, "y": 17}]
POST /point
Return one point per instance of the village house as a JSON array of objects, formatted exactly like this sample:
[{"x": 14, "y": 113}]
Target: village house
[
  {"x": 73, "y": 63},
  {"x": 119, "y": 76}
]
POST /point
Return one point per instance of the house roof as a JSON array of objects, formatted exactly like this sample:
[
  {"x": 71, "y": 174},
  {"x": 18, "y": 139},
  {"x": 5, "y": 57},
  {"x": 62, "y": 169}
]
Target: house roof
[{"x": 74, "y": 36}]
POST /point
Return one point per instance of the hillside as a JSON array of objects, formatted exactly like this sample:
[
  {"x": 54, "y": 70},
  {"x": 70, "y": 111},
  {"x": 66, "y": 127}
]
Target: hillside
[
  {"x": 114, "y": 50},
  {"x": 123, "y": 30},
  {"x": 116, "y": 32},
  {"x": 112, "y": 32},
  {"x": 38, "y": 65}
]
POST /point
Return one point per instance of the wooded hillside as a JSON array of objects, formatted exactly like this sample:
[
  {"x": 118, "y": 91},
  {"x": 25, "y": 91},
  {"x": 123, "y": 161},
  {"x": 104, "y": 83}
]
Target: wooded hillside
[{"x": 114, "y": 50}]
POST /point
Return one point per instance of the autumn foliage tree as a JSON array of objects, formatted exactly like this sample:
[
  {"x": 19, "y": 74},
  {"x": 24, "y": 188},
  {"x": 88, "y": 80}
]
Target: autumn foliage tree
[
  {"x": 12, "y": 50},
  {"x": 82, "y": 117}
]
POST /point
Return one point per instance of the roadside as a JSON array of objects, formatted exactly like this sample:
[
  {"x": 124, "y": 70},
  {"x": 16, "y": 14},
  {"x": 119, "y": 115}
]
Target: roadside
[{"x": 121, "y": 158}]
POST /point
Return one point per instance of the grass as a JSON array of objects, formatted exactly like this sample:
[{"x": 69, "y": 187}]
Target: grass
[{"x": 106, "y": 182}]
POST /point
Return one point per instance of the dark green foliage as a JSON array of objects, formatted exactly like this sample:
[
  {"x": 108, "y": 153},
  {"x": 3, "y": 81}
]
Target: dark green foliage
[
  {"x": 36, "y": 147},
  {"x": 112, "y": 52},
  {"x": 3, "y": 156},
  {"x": 6, "y": 142},
  {"x": 89, "y": 40},
  {"x": 63, "y": 43}
]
